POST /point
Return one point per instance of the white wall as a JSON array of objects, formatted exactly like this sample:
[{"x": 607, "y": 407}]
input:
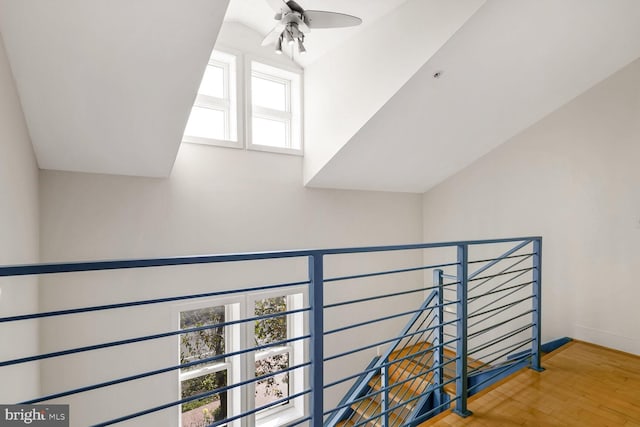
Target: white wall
[
  {"x": 217, "y": 200},
  {"x": 18, "y": 239},
  {"x": 573, "y": 179}
]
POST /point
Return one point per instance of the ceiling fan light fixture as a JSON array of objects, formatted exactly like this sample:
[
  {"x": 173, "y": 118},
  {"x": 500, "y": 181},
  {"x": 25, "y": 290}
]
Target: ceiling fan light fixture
[
  {"x": 294, "y": 22},
  {"x": 301, "y": 48},
  {"x": 288, "y": 36}
]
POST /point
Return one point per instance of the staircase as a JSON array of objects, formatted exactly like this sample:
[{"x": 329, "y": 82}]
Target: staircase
[
  {"x": 469, "y": 333},
  {"x": 410, "y": 375}
]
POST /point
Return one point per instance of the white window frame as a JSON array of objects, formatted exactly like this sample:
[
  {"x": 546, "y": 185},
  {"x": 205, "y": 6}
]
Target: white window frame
[
  {"x": 242, "y": 367},
  {"x": 231, "y": 63},
  {"x": 293, "y": 79},
  {"x": 234, "y": 336},
  {"x": 281, "y": 415}
]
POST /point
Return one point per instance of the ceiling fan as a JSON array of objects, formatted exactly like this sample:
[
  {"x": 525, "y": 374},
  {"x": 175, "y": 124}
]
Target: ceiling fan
[{"x": 294, "y": 23}]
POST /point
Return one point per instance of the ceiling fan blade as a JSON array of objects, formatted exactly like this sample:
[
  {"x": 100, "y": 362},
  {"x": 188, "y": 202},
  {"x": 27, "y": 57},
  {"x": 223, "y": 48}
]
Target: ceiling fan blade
[
  {"x": 272, "y": 36},
  {"x": 295, "y": 6},
  {"x": 279, "y": 5},
  {"x": 322, "y": 19}
]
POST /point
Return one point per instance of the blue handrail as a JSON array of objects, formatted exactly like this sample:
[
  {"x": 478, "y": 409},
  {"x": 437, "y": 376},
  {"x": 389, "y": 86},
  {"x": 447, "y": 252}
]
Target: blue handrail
[{"x": 497, "y": 308}]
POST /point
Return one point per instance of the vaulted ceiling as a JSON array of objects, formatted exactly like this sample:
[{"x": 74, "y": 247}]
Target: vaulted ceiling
[{"x": 107, "y": 86}]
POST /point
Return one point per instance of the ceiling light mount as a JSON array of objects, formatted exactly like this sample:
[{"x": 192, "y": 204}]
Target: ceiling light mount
[{"x": 294, "y": 23}]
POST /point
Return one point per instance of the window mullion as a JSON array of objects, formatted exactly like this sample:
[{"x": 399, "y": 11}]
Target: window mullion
[
  {"x": 201, "y": 372},
  {"x": 269, "y": 113},
  {"x": 212, "y": 102},
  {"x": 274, "y": 351}
]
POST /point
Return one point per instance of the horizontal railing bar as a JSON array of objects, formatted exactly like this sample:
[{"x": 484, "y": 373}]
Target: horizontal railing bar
[
  {"x": 500, "y": 258},
  {"x": 475, "y": 334},
  {"x": 500, "y": 371},
  {"x": 51, "y": 268},
  {"x": 387, "y": 341},
  {"x": 502, "y": 352},
  {"x": 180, "y": 402},
  {"x": 382, "y": 319},
  {"x": 493, "y": 302},
  {"x": 478, "y": 285},
  {"x": 511, "y": 304},
  {"x": 501, "y": 284},
  {"x": 370, "y": 322},
  {"x": 395, "y": 294},
  {"x": 145, "y": 338},
  {"x": 493, "y": 276},
  {"x": 511, "y": 347},
  {"x": 375, "y": 368},
  {"x": 484, "y": 319},
  {"x": 147, "y": 302},
  {"x": 507, "y": 253},
  {"x": 385, "y": 272},
  {"x": 161, "y": 371},
  {"x": 499, "y": 339},
  {"x": 519, "y": 286},
  {"x": 494, "y": 314}
]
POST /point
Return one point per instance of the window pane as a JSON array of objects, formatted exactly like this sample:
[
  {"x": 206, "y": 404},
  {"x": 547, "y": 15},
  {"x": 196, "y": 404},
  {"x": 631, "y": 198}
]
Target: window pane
[
  {"x": 206, "y": 123},
  {"x": 213, "y": 82},
  {"x": 272, "y": 133},
  {"x": 203, "y": 412},
  {"x": 275, "y": 387},
  {"x": 268, "y": 93},
  {"x": 272, "y": 329},
  {"x": 202, "y": 344}
]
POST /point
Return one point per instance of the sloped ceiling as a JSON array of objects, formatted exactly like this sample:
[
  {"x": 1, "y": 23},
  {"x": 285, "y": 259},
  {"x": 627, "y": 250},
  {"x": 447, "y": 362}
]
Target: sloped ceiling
[
  {"x": 511, "y": 64},
  {"x": 107, "y": 86}
]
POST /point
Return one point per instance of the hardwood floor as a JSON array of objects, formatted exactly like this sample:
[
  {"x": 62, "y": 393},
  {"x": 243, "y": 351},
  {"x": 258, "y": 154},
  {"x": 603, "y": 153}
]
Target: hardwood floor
[{"x": 583, "y": 385}]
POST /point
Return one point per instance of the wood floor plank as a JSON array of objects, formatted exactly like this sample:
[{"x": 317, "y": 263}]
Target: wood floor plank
[{"x": 583, "y": 385}]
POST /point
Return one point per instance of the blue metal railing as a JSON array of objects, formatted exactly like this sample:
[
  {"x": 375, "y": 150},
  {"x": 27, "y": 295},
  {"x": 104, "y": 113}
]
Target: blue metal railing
[{"x": 458, "y": 334}]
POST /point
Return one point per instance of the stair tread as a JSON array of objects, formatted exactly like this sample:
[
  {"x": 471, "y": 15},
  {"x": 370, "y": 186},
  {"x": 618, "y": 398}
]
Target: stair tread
[
  {"x": 398, "y": 393},
  {"x": 369, "y": 408},
  {"x": 407, "y": 369},
  {"x": 448, "y": 354}
]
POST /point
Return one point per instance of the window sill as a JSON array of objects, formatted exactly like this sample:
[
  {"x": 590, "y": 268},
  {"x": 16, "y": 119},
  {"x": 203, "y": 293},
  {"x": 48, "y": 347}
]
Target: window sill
[
  {"x": 212, "y": 142},
  {"x": 279, "y": 417},
  {"x": 279, "y": 150}
]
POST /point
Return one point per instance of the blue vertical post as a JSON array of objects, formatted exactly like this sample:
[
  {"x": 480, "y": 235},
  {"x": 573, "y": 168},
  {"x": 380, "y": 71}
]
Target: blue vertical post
[
  {"x": 537, "y": 303},
  {"x": 438, "y": 354},
  {"x": 316, "y": 327},
  {"x": 461, "y": 351},
  {"x": 385, "y": 394}
]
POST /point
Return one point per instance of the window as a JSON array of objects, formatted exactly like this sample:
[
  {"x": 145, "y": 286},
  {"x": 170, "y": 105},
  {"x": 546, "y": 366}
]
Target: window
[
  {"x": 214, "y": 116},
  {"x": 274, "y": 104},
  {"x": 198, "y": 379},
  {"x": 209, "y": 345},
  {"x": 271, "y": 108}
]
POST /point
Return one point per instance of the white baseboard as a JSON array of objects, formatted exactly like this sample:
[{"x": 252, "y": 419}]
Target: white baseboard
[{"x": 607, "y": 339}]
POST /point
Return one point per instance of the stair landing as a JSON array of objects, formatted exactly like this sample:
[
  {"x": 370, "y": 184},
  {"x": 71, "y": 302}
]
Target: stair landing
[{"x": 583, "y": 385}]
